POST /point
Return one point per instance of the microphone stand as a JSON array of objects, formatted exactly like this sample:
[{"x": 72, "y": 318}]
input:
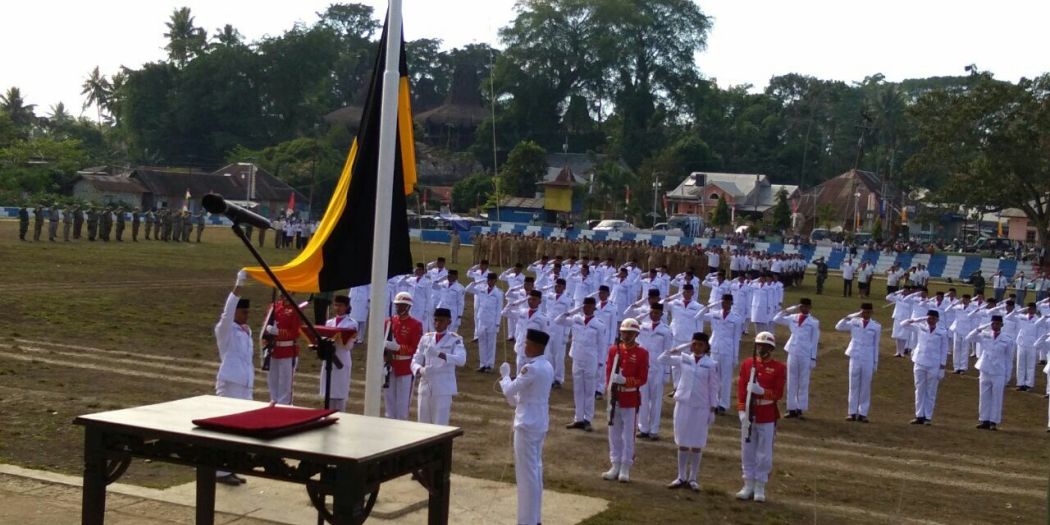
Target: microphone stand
[{"x": 325, "y": 347}]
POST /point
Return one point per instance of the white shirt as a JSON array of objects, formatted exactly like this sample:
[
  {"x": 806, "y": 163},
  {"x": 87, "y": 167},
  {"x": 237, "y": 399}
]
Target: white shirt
[
  {"x": 864, "y": 339},
  {"x": 805, "y": 335},
  {"x": 438, "y": 375},
  {"x": 529, "y": 394},
  {"x": 236, "y": 348}
]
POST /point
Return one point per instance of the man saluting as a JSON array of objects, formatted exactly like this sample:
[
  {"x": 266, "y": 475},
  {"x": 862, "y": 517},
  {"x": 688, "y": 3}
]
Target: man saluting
[
  {"x": 758, "y": 422},
  {"x": 236, "y": 375}
]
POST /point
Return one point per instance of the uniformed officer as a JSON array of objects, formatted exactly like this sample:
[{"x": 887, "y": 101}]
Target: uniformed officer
[
  {"x": 588, "y": 340},
  {"x": 929, "y": 358},
  {"x": 343, "y": 344},
  {"x": 52, "y": 223},
  {"x": 655, "y": 337},
  {"x": 285, "y": 355},
  {"x": 529, "y": 316},
  {"x": 403, "y": 335},
  {"x": 627, "y": 369},
  {"x": 696, "y": 402},
  {"x": 801, "y": 348},
  {"x": 38, "y": 222},
  {"x": 236, "y": 375},
  {"x": 78, "y": 222},
  {"x": 136, "y": 223},
  {"x": 454, "y": 242},
  {"x": 198, "y": 219},
  {"x": 187, "y": 226},
  {"x": 995, "y": 353},
  {"x": 763, "y": 378},
  {"x": 529, "y": 394},
  {"x": 23, "y": 223},
  {"x": 488, "y": 299},
  {"x": 92, "y": 223},
  {"x": 863, "y": 353},
  {"x": 67, "y": 222},
  {"x": 120, "y": 224},
  {"x": 151, "y": 219},
  {"x": 434, "y": 364},
  {"x": 726, "y": 326}
]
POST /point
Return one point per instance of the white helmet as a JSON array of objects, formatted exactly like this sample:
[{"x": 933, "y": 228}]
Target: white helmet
[
  {"x": 766, "y": 338},
  {"x": 630, "y": 325},
  {"x": 403, "y": 298}
]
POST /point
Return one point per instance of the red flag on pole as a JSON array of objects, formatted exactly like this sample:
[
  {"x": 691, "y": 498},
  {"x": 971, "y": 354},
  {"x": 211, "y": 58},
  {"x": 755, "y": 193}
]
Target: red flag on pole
[{"x": 291, "y": 204}]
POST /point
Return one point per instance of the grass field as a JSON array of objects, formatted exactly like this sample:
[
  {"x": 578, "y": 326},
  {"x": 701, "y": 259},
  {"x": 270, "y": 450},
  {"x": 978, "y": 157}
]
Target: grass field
[{"x": 86, "y": 327}]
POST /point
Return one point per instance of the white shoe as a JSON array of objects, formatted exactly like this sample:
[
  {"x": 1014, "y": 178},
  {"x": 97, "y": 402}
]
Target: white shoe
[
  {"x": 748, "y": 491},
  {"x": 612, "y": 473},
  {"x": 625, "y": 473},
  {"x": 760, "y": 491},
  {"x": 694, "y": 486}
]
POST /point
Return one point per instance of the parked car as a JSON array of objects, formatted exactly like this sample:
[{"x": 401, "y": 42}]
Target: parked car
[
  {"x": 614, "y": 225},
  {"x": 689, "y": 225},
  {"x": 991, "y": 244}
]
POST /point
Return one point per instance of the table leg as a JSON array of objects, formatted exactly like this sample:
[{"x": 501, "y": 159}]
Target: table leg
[
  {"x": 440, "y": 483},
  {"x": 205, "y": 496},
  {"x": 93, "y": 503},
  {"x": 349, "y": 498}
]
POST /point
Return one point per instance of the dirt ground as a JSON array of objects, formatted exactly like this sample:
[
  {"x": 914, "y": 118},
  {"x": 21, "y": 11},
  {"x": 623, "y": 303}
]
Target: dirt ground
[{"x": 86, "y": 327}]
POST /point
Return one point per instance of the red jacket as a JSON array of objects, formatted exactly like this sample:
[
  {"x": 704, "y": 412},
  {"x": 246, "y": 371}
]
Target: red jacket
[
  {"x": 288, "y": 322},
  {"x": 634, "y": 366},
  {"x": 772, "y": 375},
  {"x": 407, "y": 332}
]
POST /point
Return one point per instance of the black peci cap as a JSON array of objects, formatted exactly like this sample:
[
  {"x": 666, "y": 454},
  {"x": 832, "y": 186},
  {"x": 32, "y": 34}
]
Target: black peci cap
[
  {"x": 244, "y": 303},
  {"x": 700, "y": 336},
  {"x": 341, "y": 299},
  {"x": 443, "y": 312},
  {"x": 866, "y": 306},
  {"x": 537, "y": 336},
  {"x": 805, "y": 301},
  {"x": 589, "y": 300}
]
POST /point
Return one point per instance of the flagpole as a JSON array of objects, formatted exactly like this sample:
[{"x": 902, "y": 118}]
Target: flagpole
[{"x": 384, "y": 195}]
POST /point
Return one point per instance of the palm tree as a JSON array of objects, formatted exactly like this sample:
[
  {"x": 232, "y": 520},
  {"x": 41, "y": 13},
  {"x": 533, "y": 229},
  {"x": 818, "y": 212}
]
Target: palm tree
[
  {"x": 228, "y": 36},
  {"x": 59, "y": 117},
  {"x": 185, "y": 40},
  {"x": 97, "y": 90},
  {"x": 20, "y": 113}
]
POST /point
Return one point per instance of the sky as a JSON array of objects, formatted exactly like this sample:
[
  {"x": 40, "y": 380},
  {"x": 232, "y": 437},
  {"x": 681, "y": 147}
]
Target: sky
[{"x": 48, "y": 47}]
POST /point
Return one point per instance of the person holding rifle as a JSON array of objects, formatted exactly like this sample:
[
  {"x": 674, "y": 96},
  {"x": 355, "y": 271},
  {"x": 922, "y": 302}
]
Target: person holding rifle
[
  {"x": 627, "y": 369},
  {"x": 285, "y": 355},
  {"x": 760, "y": 385},
  {"x": 406, "y": 332},
  {"x": 696, "y": 402}
]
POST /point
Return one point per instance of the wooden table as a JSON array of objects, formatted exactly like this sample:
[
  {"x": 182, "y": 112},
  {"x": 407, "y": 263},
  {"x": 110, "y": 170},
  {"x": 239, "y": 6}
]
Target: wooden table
[{"x": 347, "y": 460}]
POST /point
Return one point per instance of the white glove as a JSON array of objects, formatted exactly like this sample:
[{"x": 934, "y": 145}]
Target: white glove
[
  {"x": 272, "y": 329},
  {"x": 392, "y": 346},
  {"x": 617, "y": 378},
  {"x": 743, "y": 416},
  {"x": 242, "y": 276},
  {"x": 504, "y": 370},
  {"x": 756, "y": 389}
]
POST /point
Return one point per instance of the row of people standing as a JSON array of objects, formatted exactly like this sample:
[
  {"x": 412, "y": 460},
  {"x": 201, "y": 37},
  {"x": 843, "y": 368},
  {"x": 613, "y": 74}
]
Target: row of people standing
[{"x": 107, "y": 223}]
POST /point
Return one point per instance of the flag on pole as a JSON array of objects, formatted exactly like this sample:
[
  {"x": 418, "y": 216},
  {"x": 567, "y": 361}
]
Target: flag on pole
[
  {"x": 290, "y": 210},
  {"x": 339, "y": 254},
  {"x": 186, "y": 201}
]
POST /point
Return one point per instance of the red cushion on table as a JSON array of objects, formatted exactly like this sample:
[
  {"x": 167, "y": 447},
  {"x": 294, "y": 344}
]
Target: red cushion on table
[
  {"x": 269, "y": 421},
  {"x": 330, "y": 331}
]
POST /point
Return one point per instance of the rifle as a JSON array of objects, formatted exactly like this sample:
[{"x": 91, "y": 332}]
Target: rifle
[
  {"x": 613, "y": 392},
  {"x": 268, "y": 338},
  {"x": 386, "y": 362},
  {"x": 749, "y": 410}
]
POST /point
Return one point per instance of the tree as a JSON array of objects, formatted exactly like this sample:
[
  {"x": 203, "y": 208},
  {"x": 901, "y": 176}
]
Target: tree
[
  {"x": 20, "y": 113},
  {"x": 721, "y": 217},
  {"x": 989, "y": 144},
  {"x": 471, "y": 191},
  {"x": 185, "y": 40},
  {"x": 781, "y": 211},
  {"x": 525, "y": 166},
  {"x": 228, "y": 36},
  {"x": 96, "y": 90}
]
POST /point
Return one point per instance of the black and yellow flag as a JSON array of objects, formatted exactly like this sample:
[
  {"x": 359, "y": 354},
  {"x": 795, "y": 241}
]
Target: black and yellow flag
[{"x": 339, "y": 255}]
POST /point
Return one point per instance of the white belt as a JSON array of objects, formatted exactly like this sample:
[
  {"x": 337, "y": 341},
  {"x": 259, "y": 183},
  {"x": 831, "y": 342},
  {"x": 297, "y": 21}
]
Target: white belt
[
  {"x": 628, "y": 389},
  {"x": 764, "y": 402},
  {"x": 284, "y": 343},
  {"x": 402, "y": 357}
]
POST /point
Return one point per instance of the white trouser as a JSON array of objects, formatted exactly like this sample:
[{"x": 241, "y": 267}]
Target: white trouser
[
  {"x": 487, "y": 345},
  {"x": 860, "y": 386},
  {"x": 621, "y": 436},
  {"x": 234, "y": 390},
  {"x": 1042, "y": 349},
  {"x": 280, "y": 380},
  {"x": 477, "y": 325},
  {"x": 652, "y": 400},
  {"x": 726, "y": 376},
  {"x": 583, "y": 388},
  {"x": 556, "y": 353},
  {"x": 798, "y": 382},
  {"x": 434, "y": 409},
  {"x": 990, "y": 405},
  {"x": 362, "y": 324},
  {"x": 961, "y": 352},
  {"x": 528, "y": 474},
  {"x": 398, "y": 395},
  {"x": 512, "y": 327},
  {"x": 756, "y": 457},
  {"x": 926, "y": 381},
  {"x": 1026, "y": 359},
  {"x": 599, "y": 374},
  {"x": 913, "y": 341},
  {"x": 337, "y": 404}
]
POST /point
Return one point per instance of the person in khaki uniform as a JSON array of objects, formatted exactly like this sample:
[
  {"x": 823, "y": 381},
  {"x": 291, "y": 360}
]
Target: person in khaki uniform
[
  {"x": 120, "y": 224},
  {"x": 136, "y": 223},
  {"x": 453, "y": 245},
  {"x": 67, "y": 223}
]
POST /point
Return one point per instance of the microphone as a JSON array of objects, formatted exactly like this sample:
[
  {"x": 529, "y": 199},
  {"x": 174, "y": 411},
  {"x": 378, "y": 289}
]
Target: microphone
[{"x": 215, "y": 204}]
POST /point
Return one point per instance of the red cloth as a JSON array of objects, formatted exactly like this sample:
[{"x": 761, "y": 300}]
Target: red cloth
[
  {"x": 288, "y": 326},
  {"x": 344, "y": 334},
  {"x": 771, "y": 376},
  {"x": 407, "y": 332},
  {"x": 270, "y": 421},
  {"x": 634, "y": 366}
]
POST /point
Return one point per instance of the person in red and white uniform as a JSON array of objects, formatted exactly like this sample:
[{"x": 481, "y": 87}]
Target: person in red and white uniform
[
  {"x": 405, "y": 333},
  {"x": 340, "y": 376},
  {"x": 285, "y": 355},
  {"x": 627, "y": 370},
  {"x": 696, "y": 402},
  {"x": 758, "y": 422}
]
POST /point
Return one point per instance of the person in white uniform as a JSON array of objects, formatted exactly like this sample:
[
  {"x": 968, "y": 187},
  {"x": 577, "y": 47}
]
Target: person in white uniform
[
  {"x": 958, "y": 329},
  {"x": 588, "y": 340},
  {"x": 557, "y": 302},
  {"x": 236, "y": 376},
  {"x": 340, "y": 376},
  {"x": 801, "y": 348},
  {"x": 685, "y": 320},
  {"x": 451, "y": 295},
  {"x": 995, "y": 352},
  {"x": 359, "y": 303},
  {"x": 529, "y": 315},
  {"x": 1030, "y": 327},
  {"x": 529, "y": 394},
  {"x": 696, "y": 400},
  {"x": 488, "y": 300},
  {"x": 726, "y": 327},
  {"x": 434, "y": 364},
  {"x": 929, "y": 358},
  {"x": 863, "y": 353}
]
